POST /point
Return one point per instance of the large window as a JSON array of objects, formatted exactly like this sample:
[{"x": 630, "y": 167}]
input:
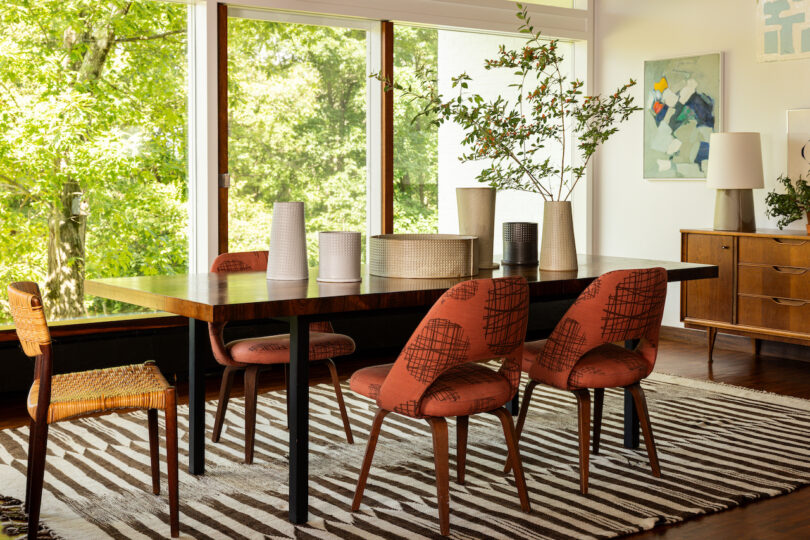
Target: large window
[
  {"x": 297, "y": 119},
  {"x": 93, "y": 146}
]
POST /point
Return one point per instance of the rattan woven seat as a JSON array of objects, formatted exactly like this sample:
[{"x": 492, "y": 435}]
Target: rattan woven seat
[
  {"x": 138, "y": 386},
  {"x": 53, "y": 398}
]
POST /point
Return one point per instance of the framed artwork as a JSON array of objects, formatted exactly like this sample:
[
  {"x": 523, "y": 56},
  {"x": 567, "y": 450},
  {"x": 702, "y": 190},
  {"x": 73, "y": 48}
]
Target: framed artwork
[
  {"x": 798, "y": 144},
  {"x": 783, "y": 29},
  {"x": 682, "y": 108}
]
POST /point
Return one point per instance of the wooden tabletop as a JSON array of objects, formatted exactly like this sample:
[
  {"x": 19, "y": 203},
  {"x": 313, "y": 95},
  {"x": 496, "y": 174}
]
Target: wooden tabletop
[{"x": 249, "y": 295}]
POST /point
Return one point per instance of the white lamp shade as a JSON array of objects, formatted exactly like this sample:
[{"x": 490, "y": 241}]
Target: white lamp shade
[
  {"x": 735, "y": 161},
  {"x": 288, "y": 243}
]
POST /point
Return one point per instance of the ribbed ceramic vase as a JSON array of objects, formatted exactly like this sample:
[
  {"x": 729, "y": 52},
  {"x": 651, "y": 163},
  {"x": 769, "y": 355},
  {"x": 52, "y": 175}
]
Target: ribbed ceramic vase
[
  {"x": 476, "y": 217},
  {"x": 288, "y": 243},
  {"x": 558, "y": 250}
]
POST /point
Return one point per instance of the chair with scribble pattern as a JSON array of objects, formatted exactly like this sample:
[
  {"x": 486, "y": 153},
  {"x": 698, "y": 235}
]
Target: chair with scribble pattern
[
  {"x": 438, "y": 375},
  {"x": 582, "y": 352},
  {"x": 70, "y": 396},
  {"x": 254, "y": 354}
]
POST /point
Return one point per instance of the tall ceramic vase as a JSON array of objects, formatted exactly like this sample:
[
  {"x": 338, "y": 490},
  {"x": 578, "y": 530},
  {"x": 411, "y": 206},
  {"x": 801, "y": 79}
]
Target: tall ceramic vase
[
  {"x": 558, "y": 250},
  {"x": 288, "y": 243},
  {"x": 476, "y": 217}
]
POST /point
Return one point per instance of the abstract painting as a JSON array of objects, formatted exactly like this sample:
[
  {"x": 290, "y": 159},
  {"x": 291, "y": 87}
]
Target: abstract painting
[
  {"x": 682, "y": 108},
  {"x": 783, "y": 29},
  {"x": 798, "y": 129}
]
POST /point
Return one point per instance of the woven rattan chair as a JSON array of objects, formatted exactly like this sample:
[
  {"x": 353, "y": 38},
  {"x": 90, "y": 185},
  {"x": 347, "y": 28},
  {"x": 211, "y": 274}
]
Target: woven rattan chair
[
  {"x": 54, "y": 398},
  {"x": 253, "y": 355}
]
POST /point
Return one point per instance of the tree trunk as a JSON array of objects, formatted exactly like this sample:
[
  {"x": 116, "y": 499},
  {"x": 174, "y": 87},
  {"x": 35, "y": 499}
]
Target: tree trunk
[{"x": 64, "y": 287}]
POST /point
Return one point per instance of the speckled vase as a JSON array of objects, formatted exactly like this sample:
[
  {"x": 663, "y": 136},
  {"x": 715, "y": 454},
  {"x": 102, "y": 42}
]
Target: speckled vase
[{"x": 558, "y": 250}]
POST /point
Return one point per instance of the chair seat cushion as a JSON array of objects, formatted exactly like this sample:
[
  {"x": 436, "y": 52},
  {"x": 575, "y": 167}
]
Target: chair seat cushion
[
  {"x": 606, "y": 366},
  {"x": 139, "y": 386},
  {"x": 367, "y": 381},
  {"x": 276, "y": 349},
  {"x": 460, "y": 391}
]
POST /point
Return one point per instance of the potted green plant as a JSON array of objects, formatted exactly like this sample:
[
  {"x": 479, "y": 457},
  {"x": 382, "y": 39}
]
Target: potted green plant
[
  {"x": 791, "y": 205},
  {"x": 509, "y": 133}
]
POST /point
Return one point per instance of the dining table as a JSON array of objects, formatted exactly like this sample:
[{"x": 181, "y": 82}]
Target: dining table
[{"x": 243, "y": 296}]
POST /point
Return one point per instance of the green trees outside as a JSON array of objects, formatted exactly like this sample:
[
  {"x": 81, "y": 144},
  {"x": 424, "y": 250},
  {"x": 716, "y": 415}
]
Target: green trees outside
[
  {"x": 92, "y": 145},
  {"x": 297, "y": 118},
  {"x": 94, "y": 130}
]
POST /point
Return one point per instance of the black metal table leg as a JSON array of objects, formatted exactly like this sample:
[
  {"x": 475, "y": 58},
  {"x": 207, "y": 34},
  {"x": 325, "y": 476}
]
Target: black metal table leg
[
  {"x": 197, "y": 335},
  {"x": 299, "y": 419},
  {"x": 631, "y": 425}
]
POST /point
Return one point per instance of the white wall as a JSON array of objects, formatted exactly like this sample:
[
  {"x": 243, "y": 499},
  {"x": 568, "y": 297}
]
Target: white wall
[{"x": 634, "y": 217}]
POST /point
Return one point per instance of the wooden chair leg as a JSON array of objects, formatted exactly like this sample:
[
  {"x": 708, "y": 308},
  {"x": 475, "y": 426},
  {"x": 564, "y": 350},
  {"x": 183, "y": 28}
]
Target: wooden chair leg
[
  {"x": 32, "y": 429},
  {"x": 514, "y": 456},
  {"x": 711, "y": 336},
  {"x": 441, "y": 460},
  {"x": 347, "y": 427},
  {"x": 584, "y": 408},
  {"x": 154, "y": 449},
  {"x": 598, "y": 401},
  {"x": 171, "y": 462},
  {"x": 37, "y": 475},
  {"x": 224, "y": 397},
  {"x": 524, "y": 410},
  {"x": 646, "y": 428},
  {"x": 370, "y": 447},
  {"x": 251, "y": 391},
  {"x": 462, "y": 426}
]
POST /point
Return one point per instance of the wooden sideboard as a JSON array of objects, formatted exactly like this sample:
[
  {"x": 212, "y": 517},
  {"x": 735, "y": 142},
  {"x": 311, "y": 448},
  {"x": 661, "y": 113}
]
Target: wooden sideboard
[{"x": 762, "y": 290}]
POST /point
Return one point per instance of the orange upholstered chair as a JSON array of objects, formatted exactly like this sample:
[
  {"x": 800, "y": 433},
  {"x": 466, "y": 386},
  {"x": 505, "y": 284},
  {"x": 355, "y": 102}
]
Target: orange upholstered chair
[
  {"x": 254, "y": 354},
  {"x": 54, "y": 398},
  {"x": 582, "y": 352},
  {"x": 436, "y": 375}
]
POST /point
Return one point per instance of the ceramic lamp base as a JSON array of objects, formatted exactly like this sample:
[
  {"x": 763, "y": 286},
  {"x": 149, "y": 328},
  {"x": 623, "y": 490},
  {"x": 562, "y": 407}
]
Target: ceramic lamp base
[{"x": 734, "y": 210}]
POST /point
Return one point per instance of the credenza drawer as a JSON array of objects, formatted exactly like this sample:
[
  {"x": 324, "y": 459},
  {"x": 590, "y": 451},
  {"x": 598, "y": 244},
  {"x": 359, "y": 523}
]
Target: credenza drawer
[
  {"x": 775, "y": 281},
  {"x": 774, "y": 312},
  {"x": 775, "y": 251}
]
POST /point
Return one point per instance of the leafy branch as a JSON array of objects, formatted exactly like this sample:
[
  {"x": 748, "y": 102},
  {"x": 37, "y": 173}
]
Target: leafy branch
[{"x": 509, "y": 133}]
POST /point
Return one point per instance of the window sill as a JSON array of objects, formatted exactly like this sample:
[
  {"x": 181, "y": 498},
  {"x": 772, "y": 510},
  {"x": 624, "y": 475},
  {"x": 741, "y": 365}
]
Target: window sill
[{"x": 103, "y": 325}]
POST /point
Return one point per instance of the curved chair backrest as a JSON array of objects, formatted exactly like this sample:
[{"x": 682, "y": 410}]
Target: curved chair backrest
[
  {"x": 617, "y": 306},
  {"x": 476, "y": 320},
  {"x": 25, "y": 303},
  {"x": 245, "y": 261}
]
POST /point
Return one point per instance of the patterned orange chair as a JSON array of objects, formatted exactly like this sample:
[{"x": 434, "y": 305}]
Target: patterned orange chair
[
  {"x": 254, "y": 354},
  {"x": 437, "y": 376},
  {"x": 582, "y": 353},
  {"x": 68, "y": 396}
]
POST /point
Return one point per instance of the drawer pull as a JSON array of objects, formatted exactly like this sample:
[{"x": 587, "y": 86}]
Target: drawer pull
[
  {"x": 790, "y": 270},
  {"x": 723, "y": 247},
  {"x": 788, "y": 302},
  {"x": 789, "y": 242}
]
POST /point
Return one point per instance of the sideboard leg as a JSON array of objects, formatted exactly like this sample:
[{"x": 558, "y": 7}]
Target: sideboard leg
[
  {"x": 711, "y": 335},
  {"x": 756, "y": 346}
]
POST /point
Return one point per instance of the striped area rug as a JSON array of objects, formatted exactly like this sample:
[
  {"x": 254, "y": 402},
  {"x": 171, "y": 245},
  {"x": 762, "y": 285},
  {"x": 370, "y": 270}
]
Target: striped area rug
[{"x": 719, "y": 446}]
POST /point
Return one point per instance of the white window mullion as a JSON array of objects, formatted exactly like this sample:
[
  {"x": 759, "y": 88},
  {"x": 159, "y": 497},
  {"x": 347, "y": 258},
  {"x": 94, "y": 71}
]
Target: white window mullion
[{"x": 203, "y": 134}]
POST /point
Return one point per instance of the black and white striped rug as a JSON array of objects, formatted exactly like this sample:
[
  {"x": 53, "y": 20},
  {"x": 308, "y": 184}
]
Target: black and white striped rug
[{"x": 719, "y": 446}]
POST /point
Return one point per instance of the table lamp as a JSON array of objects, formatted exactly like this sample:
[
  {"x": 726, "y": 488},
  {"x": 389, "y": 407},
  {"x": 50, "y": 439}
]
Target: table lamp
[{"x": 735, "y": 168}]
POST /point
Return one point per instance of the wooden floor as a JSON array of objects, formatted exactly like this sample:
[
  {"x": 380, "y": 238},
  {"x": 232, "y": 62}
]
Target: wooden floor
[{"x": 782, "y": 517}]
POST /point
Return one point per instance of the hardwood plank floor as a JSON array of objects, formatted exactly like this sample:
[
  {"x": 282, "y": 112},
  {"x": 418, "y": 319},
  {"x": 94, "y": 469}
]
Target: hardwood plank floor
[{"x": 784, "y": 517}]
